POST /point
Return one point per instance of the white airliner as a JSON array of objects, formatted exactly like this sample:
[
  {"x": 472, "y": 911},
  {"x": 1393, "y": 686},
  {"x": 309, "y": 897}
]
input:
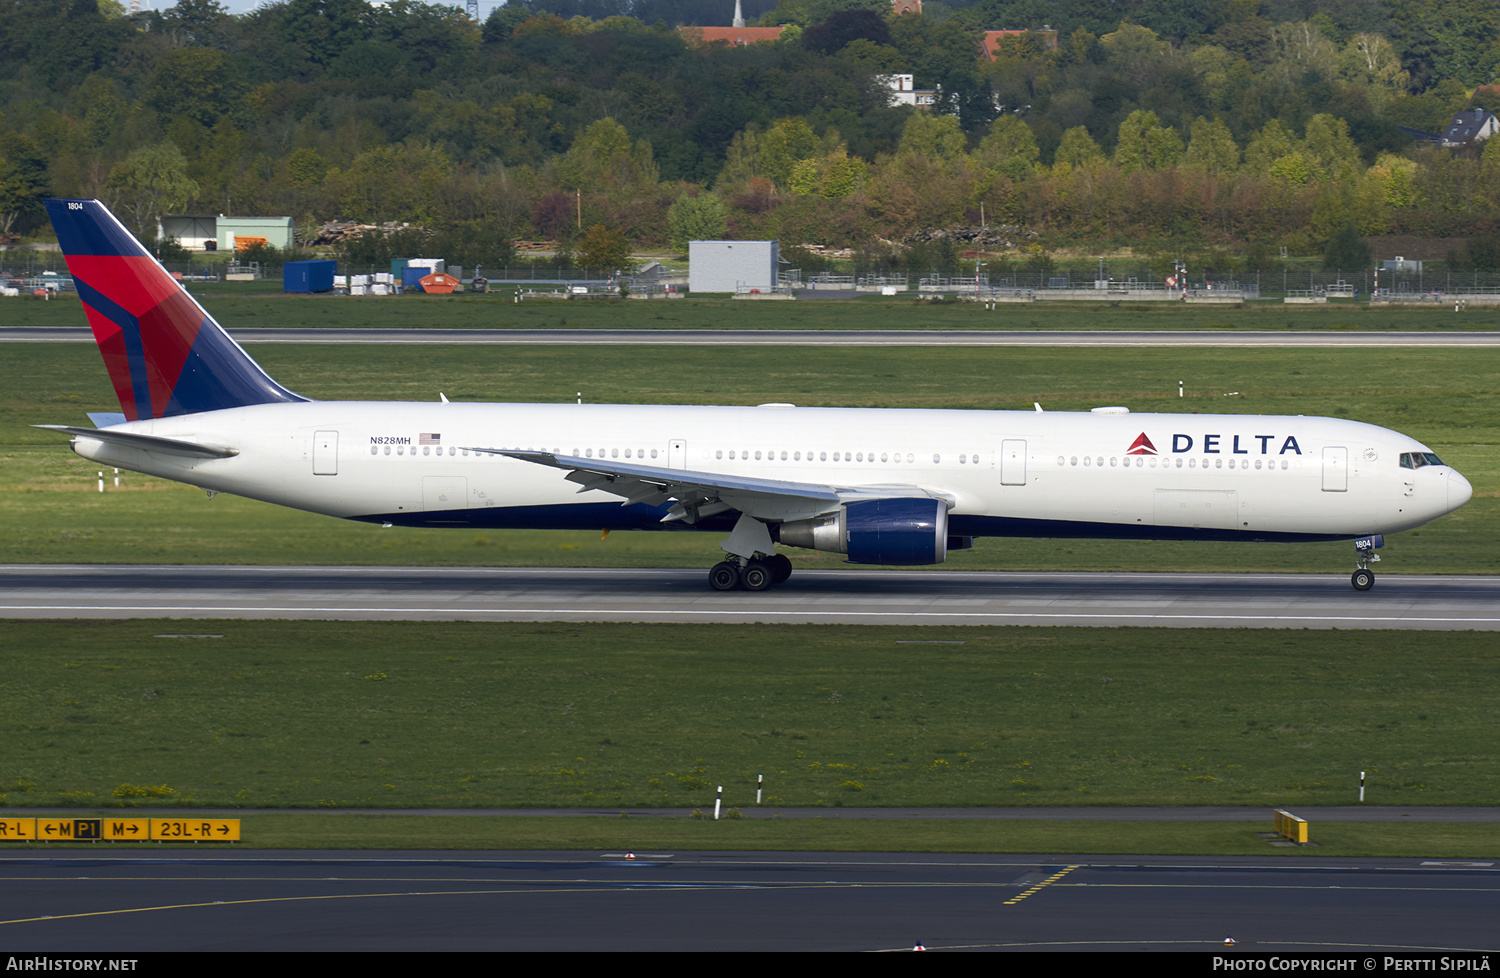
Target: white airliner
[{"x": 882, "y": 486}]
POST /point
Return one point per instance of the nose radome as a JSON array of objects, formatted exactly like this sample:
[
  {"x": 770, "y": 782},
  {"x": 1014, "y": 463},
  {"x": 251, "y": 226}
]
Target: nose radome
[{"x": 1459, "y": 490}]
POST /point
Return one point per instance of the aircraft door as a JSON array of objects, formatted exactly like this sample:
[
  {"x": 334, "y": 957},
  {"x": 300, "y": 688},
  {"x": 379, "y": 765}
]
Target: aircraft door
[
  {"x": 677, "y": 454},
  {"x": 1335, "y": 468},
  {"x": 326, "y": 453},
  {"x": 1013, "y": 462}
]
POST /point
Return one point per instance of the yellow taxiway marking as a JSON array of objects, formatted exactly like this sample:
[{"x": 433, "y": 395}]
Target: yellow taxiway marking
[{"x": 1042, "y": 885}]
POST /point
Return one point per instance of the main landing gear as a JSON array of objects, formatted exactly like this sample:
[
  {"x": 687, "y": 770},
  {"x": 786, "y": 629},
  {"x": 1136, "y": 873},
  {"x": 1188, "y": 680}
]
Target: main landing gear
[
  {"x": 1364, "y": 555},
  {"x": 755, "y": 574}
]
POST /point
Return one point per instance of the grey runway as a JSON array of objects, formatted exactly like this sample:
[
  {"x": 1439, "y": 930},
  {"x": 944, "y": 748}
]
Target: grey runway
[{"x": 908, "y": 598}]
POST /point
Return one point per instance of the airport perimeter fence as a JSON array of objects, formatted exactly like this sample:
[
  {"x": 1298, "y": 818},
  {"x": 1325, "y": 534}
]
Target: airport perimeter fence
[
  {"x": 1268, "y": 283},
  {"x": 25, "y": 269}
]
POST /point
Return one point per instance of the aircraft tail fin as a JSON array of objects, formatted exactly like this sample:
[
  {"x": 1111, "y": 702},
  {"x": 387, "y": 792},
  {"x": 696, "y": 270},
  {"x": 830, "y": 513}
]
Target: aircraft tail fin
[{"x": 165, "y": 355}]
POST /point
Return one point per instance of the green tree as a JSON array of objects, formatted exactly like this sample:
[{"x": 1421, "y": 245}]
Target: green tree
[
  {"x": 1267, "y": 146},
  {"x": 1397, "y": 180},
  {"x": 400, "y": 183},
  {"x": 807, "y": 176},
  {"x": 603, "y": 160},
  {"x": 1145, "y": 144},
  {"x": 1009, "y": 148},
  {"x": 1135, "y": 52},
  {"x": 23, "y": 184},
  {"x": 430, "y": 37},
  {"x": 323, "y": 28},
  {"x": 1211, "y": 148},
  {"x": 1329, "y": 148},
  {"x": 190, "y": 83},
  {"x": 1371, "y": 61},
  {"x": 1346, "y": 251},
  {"x": 696, "y": 217},
  {"x": 843, "y": 175},
  {"x": 102, "y": 108},
  {"x": 1077, "y": 149},
  {"x": 783, "y": 146},
  {"x": 1300, "y": 47},
  {"x": 150, "y": 182},
  {"x": 197, "y": 23},
  {"x": 604, "y": 248},
  {"x": 936, "y": 139}
]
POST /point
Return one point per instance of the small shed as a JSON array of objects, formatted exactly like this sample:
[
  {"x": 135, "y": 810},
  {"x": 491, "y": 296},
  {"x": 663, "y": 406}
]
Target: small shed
[
  {"x": 276, "y": 230},
  {"x": 195, "y": 232},
  {"x": 308, "y": 276}
]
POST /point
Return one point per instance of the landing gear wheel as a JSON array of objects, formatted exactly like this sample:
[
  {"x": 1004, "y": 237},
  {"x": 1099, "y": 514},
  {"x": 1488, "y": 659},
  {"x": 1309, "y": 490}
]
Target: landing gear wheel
[
  {"x": 781, "y": 567},
  {"x": 725, "y": 576},
  {"x": 756, "y": 576},
  {"x": 1363, "y": 579}
]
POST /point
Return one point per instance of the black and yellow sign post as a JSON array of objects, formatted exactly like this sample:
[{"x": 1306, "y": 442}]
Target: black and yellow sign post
[
  {"x": 195, "y": 829},
  {"x": 67, "y": 829},
  {"x": 119, "y": 829}
]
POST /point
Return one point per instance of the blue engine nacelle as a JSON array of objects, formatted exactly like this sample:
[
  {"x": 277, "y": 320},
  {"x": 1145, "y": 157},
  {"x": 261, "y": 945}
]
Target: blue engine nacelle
[{"x": 878, "y": 531}]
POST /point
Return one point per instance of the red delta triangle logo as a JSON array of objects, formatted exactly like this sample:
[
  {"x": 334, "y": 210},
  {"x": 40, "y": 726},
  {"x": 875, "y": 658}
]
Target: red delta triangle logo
[{"x": 1142, "y": 446}]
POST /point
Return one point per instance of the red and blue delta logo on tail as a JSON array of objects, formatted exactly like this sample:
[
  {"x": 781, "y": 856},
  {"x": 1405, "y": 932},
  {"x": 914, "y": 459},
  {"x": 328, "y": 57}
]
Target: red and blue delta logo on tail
[{"x": 165, "y": 355}]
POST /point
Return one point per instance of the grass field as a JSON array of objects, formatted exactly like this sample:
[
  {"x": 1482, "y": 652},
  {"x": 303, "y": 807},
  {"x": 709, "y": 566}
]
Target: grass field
[
  {"x": 325, "y": 714},
  {"x": 52, "y": 512},
  {"x": 262, "y": 305}
]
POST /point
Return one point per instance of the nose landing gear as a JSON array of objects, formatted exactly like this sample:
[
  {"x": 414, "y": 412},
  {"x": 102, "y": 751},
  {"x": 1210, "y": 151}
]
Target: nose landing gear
[{"x": 1364, "y": 555}]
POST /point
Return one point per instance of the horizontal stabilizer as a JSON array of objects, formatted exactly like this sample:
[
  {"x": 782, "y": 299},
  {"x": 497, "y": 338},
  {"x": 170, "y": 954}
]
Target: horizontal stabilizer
[{"x": 149, "y": 443}]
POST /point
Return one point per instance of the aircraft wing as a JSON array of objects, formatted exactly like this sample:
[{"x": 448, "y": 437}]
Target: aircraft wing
[{"x": 701, "y": 494}]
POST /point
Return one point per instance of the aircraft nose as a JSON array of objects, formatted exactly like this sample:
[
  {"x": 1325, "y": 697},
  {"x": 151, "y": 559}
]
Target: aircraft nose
[{"x": 1459, "y": 490}]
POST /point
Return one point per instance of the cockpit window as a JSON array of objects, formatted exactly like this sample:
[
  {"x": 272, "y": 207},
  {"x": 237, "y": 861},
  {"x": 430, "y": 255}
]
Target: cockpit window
[{"x": 1415, "y": 460}]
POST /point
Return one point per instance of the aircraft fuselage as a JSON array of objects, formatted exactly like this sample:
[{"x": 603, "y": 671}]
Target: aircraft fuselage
[{"x": 1010, "y": 473}]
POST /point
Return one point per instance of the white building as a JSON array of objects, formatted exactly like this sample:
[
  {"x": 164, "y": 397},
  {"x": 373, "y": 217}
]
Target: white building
[
  {"x": 904, "y": 92},
  {"x": 732, "y": 266}
]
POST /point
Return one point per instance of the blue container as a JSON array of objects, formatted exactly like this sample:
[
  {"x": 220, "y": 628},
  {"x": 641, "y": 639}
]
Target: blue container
[{"x": 308, "y": 276}]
